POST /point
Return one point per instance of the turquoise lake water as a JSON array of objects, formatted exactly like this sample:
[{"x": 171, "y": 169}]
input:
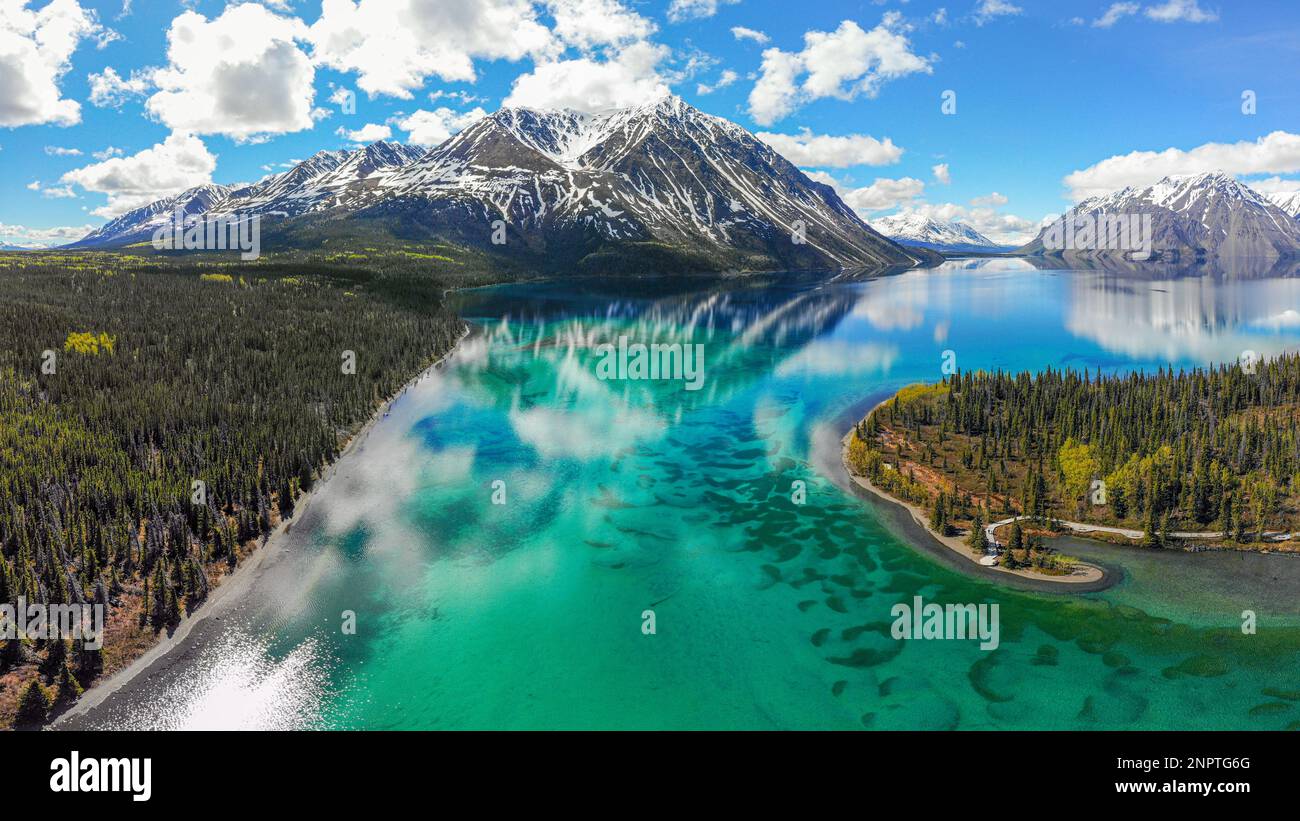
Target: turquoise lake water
[{"x": 627, "y": 496}]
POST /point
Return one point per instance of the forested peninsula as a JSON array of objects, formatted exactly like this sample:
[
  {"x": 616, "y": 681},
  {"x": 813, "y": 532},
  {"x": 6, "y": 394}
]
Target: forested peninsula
[{"x": 1207, "y": 458}]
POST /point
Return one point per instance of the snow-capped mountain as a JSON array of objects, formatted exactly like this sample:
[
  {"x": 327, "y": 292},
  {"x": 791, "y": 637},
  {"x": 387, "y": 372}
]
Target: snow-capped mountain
[
  {"x": 658, "y": 181},
  {"x": 1204, "y": 214},
  {"x": 326, "y": 180},
  {"x": 911, "y": 228},
  {"x": 1288, "y": 201},
  {"x": 137, "y": 225}
]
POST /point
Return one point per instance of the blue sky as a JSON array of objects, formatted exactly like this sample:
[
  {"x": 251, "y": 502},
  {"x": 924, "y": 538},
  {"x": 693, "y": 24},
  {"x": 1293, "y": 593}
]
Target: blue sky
[{"x": 115, "y": 104}]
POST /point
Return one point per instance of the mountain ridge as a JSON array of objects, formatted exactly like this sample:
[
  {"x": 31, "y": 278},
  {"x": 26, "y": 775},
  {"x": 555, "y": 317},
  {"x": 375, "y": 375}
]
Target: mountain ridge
[
  {"x": 1196, "y": 215},
  {"x": 912, "y": 228},
  {"x": 659, "y": 183}
]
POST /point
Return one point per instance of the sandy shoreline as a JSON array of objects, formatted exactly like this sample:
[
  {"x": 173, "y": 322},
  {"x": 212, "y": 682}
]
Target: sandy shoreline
[
  {"x": 1086, "y": 578},
  {"x": 233, "y": 586}
]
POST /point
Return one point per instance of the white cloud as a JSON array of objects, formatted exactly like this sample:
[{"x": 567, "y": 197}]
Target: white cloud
[
  {"x": 882, "y": 195},
  {"x": 1275, "y": 153},
  {"x": 59, "y": 192},
  {"x": 109, "y": 89},
  {"x": 394, "y": 45},
  {"x": 726, "y": 78},
  {"x": 240, "y": 74},
  {"x": 587, "y": 24},
  {"x": 743, "y": 33},
  {"x": 36, "y": 49},
  {"x": 590, "y": 84},
  {"x": 989, "y": 9},
  {"x": 1275, "y": 185},
  {"x": 60, "y": 151},
  {"x": 181, "y": 161},
  {"x": 368, "y": 133},
  {"x": 993, "y": 200},
  {"x": 432, "y": 128},
  {"x": 1115, "y": 13},
  {"x": 42, "y": 237},
  {"x": 34, "y": 185},
  {"x": 941, "y": 174},
  {"x": 840, "y": 64},
  {"x": 1188, "y": 11},
  {"x": 810, "y": 150},
  {"x": 680, "y": 10},
  {"x": 109, "y": 151}
]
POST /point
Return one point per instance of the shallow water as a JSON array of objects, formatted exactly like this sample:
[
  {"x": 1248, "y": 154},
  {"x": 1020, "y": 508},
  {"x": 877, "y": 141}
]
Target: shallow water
[{"x": 628, "y": 496}]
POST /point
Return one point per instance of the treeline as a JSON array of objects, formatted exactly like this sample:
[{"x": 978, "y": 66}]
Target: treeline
[
  {"x": 137, "y": 469},
  {"x": 1210, "y": 449}
]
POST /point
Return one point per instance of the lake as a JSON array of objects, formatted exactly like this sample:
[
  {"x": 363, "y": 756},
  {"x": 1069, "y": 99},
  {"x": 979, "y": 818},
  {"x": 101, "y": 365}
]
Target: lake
[{"x": 501, "y": 535}]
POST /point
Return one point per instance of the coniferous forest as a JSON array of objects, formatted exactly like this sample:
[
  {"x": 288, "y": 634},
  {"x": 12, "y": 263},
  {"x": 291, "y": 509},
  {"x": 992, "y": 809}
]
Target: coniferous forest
[
  {"x": 1211, "y": 451},
  {"x": 159, "y": 418}
]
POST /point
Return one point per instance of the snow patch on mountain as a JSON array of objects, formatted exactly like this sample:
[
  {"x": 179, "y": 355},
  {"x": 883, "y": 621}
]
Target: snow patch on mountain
[{"x": 914, "y": 228}]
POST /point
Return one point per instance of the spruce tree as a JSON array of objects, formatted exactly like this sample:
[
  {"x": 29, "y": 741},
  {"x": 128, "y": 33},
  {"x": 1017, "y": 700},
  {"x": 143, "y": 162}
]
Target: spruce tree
[{"x": 33, "y": 707}]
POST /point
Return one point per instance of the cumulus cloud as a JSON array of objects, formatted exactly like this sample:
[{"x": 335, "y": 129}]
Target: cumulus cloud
[
  {"x": 1186, "y": 11},
  {"x": 181, "y": 161},
  {"x": 588, "y": 24},
  {"x": 591, "y": 84},
  {"x": 726, "y": 78},
  {"x": 435, "y": 127},
  {"x": 743, "y": 33},
  {"x": 394, "y": 45},
  {"x": 989, "y": 9},
  {"x": 810, "y": 150},
  {"x": 1275, "y": 185},
  {"x": 60, "y": 151},
  {"x": 1275, "y": 153},
  {"x": 841, "y": 64},
  {"x": 36, "y": 49},
  {"x": 680, "y": 10},
  {"x": 882, "y": 195},
  {"x": 368, "y": 133},
  {"x": 941, "y": 174},
  {"x": 108, "y": 89},
  {"x": 241, "y": 74},
  {"x": 42, "y": 237}
]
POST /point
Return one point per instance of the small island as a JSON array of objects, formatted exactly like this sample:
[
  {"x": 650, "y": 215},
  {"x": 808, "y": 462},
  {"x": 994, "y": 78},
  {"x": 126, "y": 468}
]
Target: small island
[{"x": 994, "y": 464}]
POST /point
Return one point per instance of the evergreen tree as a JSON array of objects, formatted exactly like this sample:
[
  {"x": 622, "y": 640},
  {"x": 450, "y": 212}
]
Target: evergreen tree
[
  {"x": 33, "y": 707},
  {"x": 978, "y": 539},
  {"x": 67, "y": 689}
]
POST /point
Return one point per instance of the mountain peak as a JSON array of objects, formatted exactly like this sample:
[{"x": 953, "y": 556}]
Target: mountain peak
[
  {"x": 915, "y": 228},
  {"x": 1211, "y": 212},
  {"x": 577, "y": 188}
]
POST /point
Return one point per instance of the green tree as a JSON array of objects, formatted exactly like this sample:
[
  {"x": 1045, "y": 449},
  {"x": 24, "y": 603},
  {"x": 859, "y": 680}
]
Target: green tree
[
  {"x": 978, "y": 539},
  {"x": 33, "y": 706},
  {"x": 67, "y": 688}
]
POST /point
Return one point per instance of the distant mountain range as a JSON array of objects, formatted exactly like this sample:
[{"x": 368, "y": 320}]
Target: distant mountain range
[
  {"x": 1288, "y": 201},
  {"x": 657, "y": 186},
  {"x": 4, "y": 246},
  {"x": 1179, "y": 218},
  {"x": 910, "y": 228}
]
